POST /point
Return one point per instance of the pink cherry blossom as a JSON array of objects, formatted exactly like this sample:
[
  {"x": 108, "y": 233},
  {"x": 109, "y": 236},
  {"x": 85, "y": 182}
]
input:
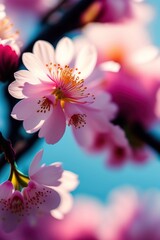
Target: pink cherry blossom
[
  {"x": 46, "y": 190},
  {"x": 54, "y": 92},
  {"x": 37, "y": 6},
  {"x": 134, "y": 87},
  {"x": 9, "y": 47},
  {"x": 128, "y": 214},
  {"x": 83, "y": 221},
  {"x": 140, "y": 220},
  {"x": 116, "y": 11}
]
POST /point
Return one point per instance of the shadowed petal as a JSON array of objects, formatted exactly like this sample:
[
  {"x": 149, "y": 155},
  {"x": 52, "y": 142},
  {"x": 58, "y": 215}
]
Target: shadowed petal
[
  {"x": 54, "y": 127},
  {"x": 6, "y": 190},
  {"x": 42, "y": 199},
  {"x": 48, "y": 175},
  {"x": 35, "y": 163},
  {"x": 30, "y": 106},
  {"x": 64, "y": 206},
  {"x": 35, "y": 121}
]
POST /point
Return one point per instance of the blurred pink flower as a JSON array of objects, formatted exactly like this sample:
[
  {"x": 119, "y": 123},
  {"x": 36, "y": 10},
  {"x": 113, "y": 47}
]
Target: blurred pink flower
[
  {"x": 82, "y": 222},
  {"x": 127, "y": 215},
  {"x": 46, "y": 190},
  {"x": 116, "y": 11},
  {"x": 137, "y": 216},
  {"x": 133, "y": 88},
  {"x": 9, "y": 47},
  {"x": 35, "y": 6},
  {"x": 55, "y": 93}
]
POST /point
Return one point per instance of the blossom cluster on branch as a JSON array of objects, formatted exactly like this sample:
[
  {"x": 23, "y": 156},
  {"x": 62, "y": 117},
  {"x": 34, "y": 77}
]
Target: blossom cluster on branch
[{"x": 91, "y": 66}]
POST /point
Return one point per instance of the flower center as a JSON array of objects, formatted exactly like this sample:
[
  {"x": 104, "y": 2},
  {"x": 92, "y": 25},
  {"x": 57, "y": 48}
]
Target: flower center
[
  {"x": 45, "y": 105},
  {"x": 77, "y": 120},
  {"x": 68, "y": 86}
]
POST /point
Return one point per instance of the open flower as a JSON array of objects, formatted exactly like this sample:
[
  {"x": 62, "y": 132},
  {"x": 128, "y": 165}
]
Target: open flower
[
  {"x": 54, "y": 93},
  {"x": 134, "y": 86},
  {"x": 45, "y": 190}
]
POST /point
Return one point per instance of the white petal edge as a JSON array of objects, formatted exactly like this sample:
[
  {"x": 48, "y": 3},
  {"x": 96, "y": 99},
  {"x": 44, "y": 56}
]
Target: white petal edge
[
  {"x": 64, "y": 51},
  {"x": 35, "y": 163},
  {"x": 44, "y": 51},
  {"x": 86, "y": 60}
]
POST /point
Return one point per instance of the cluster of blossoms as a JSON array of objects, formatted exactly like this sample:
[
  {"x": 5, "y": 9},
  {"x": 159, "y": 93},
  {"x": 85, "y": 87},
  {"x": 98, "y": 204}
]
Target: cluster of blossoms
[
  {"x": 134, "y": 88},
  {"x": 45, "y": 190},
  {"x": 90, "y": 219},
  {"x": 104, "y": 88}
]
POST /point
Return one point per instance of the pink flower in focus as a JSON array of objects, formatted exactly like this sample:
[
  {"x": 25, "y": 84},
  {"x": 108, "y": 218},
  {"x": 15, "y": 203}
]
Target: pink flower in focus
[
  {"x": 54, "y": 92},
  {"x": 46, "y": 190}
]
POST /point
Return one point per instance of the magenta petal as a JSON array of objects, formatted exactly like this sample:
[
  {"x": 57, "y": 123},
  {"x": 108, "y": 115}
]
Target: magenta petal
[
  {"x": 35, "y": 163},
  {"x": 54, "y": 127},
  {"x": 48, "y": 175},
  {"x": 40, "y": 90},
  {"x": 6, "y": 190},
  {"x": 30, "y": 105},
  {"x": 84, "y": 136},
  {"x": 35, "y": 121},
  {"x": 42, "y": 199}
]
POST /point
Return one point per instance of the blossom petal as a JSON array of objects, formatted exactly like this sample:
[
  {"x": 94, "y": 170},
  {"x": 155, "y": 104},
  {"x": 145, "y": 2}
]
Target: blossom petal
[
  {"x": 64, "y": 206},
  {"x": 64, "y": 51},
  {"x": 35, "y": 121},
  {"x": 54, "y": 127},
  {"x": 42, "y": 199},
  {"x": 35, "y": 66},
  {"x": 40, "y": 90},
  {"x": 15, "y": 89},
  {"x": 48, "y": 175},
  {"x": 84, "y": 136},
  {"x": 6, "y": 190},
  {"x": 35, "y": 163},
  {"x": 23, "y": 76},
  {"x": 86, "y": 60},
  {"x": 44, "y": 51},
  {"x": 9, "y": 218},
  {"x": 30, "y": 106},
  {"x": 69, "y": 180}
]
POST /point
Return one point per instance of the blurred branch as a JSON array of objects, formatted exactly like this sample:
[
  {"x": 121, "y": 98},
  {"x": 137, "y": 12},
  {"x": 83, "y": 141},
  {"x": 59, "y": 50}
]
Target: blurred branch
[
  {"x": 52, "y": 11},
  {"x": 6, "y": 148},
  {"x": 146, "y": 137},
  {"x": 69, "y": 21},
  {"x": 20, "y": 148}
]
